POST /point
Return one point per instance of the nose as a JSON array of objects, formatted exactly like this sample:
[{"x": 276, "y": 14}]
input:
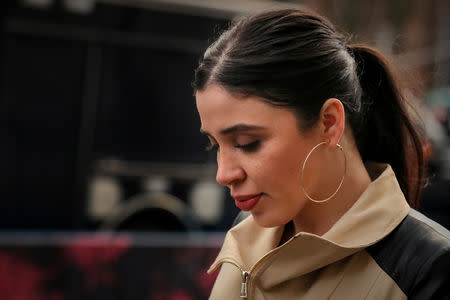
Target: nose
[{"x": 229, "y": 171}]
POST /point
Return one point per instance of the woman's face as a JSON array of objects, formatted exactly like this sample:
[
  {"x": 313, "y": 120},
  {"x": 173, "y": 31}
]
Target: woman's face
[{"x": 260, "y": 152}]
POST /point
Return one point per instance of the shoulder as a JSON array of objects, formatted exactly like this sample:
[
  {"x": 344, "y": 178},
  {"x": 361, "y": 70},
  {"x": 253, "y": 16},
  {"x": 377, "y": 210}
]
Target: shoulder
[{"x": 416, "y": 255}]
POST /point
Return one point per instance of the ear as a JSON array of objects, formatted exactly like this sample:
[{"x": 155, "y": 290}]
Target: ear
[{"x": 332, "y": 121}]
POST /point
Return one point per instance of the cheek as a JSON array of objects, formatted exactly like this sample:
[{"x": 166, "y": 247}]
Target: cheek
[
  {"x": 279, "y": 177},
  {"x": 279, "y": 170}
]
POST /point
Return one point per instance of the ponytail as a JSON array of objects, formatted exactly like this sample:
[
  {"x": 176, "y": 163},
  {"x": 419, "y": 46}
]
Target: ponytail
[{"x": 387, "y": 134}]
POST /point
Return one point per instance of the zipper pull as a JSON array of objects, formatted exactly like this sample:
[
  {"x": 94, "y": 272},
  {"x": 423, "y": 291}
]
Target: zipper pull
[{"x": 244, "y": 275}]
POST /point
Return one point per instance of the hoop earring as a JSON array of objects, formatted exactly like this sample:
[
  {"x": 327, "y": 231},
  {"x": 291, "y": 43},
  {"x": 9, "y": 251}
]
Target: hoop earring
[{"x": 303, "y": 172}]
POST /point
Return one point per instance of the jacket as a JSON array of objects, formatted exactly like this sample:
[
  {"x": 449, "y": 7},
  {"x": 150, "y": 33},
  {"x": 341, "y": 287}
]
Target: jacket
[{"x": 379, "y": 249}]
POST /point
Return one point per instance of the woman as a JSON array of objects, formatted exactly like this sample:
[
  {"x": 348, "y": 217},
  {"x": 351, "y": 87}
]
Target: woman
[{"x": 313, "y": 139}]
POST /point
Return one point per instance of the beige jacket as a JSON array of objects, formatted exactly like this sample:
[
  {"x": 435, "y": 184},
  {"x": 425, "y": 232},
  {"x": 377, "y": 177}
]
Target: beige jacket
[{"x": 333, "y": 266}]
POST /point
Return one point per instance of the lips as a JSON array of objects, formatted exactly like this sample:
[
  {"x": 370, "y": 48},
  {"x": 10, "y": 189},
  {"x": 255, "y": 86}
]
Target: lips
[{"x": 246, "y": 202}]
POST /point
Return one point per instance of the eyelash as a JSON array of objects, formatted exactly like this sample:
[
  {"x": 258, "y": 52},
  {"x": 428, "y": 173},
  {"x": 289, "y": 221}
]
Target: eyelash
[
  {"x": 246, "y": 148},
  {"x": 249, "y": 147},
  {"x": 211, "y": 147}
]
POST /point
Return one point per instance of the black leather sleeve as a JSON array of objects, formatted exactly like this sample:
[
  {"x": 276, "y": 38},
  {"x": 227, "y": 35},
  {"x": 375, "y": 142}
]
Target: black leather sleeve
[
  {"x": 433, "y": 279},
  {"x": 416, "y": 255}
]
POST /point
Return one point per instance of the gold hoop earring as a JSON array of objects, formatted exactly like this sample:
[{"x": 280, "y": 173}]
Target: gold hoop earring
[{"x": 303, "y": 172}]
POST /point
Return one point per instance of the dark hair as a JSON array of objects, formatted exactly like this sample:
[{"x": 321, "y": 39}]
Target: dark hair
[{"x": 297, "y": 59}]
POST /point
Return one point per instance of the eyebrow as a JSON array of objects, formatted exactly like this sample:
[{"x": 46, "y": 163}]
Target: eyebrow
[{"x": 236, "y": 128}]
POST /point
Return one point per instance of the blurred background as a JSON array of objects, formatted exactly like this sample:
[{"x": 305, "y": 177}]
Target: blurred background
[{"x": 106, "y": 191}]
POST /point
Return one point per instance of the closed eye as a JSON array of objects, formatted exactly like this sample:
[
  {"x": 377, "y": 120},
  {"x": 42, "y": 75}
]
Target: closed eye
[{"x": 250, "y": 147}]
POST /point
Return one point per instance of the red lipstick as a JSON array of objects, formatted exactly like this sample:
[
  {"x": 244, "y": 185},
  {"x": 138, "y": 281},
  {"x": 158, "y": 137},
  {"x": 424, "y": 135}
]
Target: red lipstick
[{"x": 246, "y": 202}]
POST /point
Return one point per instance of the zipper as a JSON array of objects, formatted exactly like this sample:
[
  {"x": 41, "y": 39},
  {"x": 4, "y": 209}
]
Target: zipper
[
  {"x": 244, "y": 283},
  {"x": 246, "y": 274}
]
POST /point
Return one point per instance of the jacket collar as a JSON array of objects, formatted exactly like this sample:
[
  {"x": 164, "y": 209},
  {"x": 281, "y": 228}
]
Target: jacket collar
[{"x": 375, "y": 214}]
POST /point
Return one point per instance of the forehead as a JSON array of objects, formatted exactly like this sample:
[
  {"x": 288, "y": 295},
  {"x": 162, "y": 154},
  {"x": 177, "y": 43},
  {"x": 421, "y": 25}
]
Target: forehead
[{"x": 220, "y": 109}]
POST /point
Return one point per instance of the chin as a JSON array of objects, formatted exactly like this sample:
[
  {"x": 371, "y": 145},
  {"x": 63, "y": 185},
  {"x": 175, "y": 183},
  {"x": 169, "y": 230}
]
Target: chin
[{"x": 267, "y": 220}]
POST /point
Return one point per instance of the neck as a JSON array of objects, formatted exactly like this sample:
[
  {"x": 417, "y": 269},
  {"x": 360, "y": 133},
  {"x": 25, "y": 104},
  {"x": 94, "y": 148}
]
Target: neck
[{"x": 318, "y": 218}]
